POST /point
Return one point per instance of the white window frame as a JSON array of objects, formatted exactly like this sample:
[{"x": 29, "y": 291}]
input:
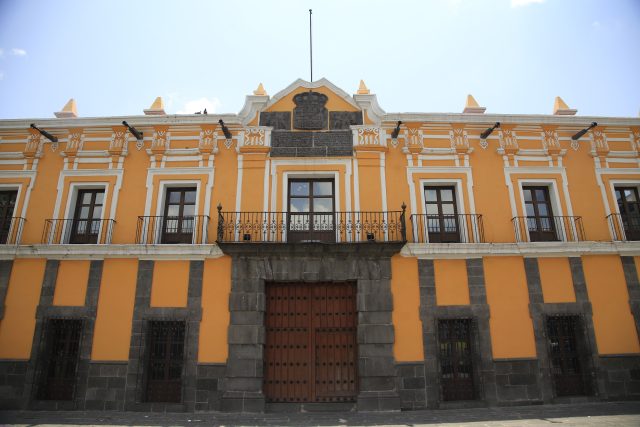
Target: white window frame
[
  {"x": 14, "y": 187},
  {"x": 554, "y": 198},
  {"x": 612, "y": 188},
  {"x": 72, "y": 197},
  {"x": 163, "y": 185},
  {"x": 286, "y": 176},
  {"x": 439, "y": 182}
]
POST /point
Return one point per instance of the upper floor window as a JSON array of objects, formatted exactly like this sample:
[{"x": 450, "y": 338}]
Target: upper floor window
[
  {"x": 86, "y": 223},
  {"x": 311, "y": 210},
  {"x": 180, "y": 218},
  {"x": 540, "y": 219},
  {"x": 629, "y": 208},
  {"x": 7, "y": 206},
  {"x": 442, "y": 214}
]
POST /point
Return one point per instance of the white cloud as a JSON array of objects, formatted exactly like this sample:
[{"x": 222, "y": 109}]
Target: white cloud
[
  {"x": 596, "y": 24},
  {"x": 18, "y": 52},
  {"x": 520, "y": 3},
  {"x": 212, "y": 105},
  {"x": 1, "y": 52},
  {"x": 1, "y": 75}
]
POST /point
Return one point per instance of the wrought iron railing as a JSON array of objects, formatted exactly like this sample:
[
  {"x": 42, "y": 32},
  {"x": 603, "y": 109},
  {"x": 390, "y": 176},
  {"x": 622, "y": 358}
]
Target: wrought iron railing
[
  {"x": 78, "y": 231},
  {"x": 11, "y": 231},
  {"x": 190, "y": 229},
  {"x": 548, "y": 228},
  {"x": 624, "y": 227},
  {"x": 330, "y": 227},
  {"x": 460, "y": 228}
]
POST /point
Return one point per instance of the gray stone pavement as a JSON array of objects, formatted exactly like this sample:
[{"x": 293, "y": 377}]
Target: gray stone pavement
[{"x": 580, "y": 414}]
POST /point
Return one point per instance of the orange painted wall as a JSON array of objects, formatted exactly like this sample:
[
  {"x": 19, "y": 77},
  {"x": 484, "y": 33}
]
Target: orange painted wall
[
  {"x": 452, "y": 287},
  {"x": 556, "y": 281},
  {"x": 71, "y": 283},
  {"x": 406, "y": 309},
  {"x": 23, "y": 296},
  {"x": 112, "y": 333},
  {"x": 170, "y": 284},
  {"x": 612, "y": 319},
  {"x": 216, "y": 285},
  {"x": 508, "y": 298}
]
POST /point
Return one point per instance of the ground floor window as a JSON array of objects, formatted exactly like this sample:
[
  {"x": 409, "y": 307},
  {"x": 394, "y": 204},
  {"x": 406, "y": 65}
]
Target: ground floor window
[
  {"x": 311, "y": 346},
  {"x": 164, "y": 361},
  {"x": 456, "y": 367},
  {"x": 59, "y": 363},
  {"x": 566, "y": 354}
]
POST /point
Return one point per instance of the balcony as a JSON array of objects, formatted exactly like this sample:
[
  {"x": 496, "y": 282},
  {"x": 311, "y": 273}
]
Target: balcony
[
  {"x": 330, "y": 227},
  {"x": 624, "y": 227},
  {"x": 460, "y": 228},
  {"x": 153, "y": 230},
  {"x": 78, "y": 231},
  {"x": 11, "y": 230},
  {"x": 548, "y": 229}
]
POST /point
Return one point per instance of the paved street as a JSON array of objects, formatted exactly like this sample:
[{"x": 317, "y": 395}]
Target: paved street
[{"x": 588, "y": 414}]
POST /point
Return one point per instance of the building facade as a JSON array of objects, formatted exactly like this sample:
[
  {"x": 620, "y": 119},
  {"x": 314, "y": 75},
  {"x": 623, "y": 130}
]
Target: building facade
[{"x": 314, "y": 251}]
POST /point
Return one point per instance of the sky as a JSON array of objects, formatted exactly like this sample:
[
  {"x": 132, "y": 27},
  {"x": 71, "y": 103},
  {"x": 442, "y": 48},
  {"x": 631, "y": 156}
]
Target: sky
[{"x": 515, "y": 56}]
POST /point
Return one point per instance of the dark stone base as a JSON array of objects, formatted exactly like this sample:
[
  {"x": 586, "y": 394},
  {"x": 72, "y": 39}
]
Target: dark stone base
[
  {"x": 208, "y": 386},
  {"x": 311, "y": 407},
  {"x": 621, "y": 375},
  {"x": 106, "y": 386},
  {"x": 379, "y": 401},
  {"x": 12, "y": 383},
  {"x": 234, "y": 401},
  {"x": 411, "y": 385},
  {"x": 517, "y": 382}
]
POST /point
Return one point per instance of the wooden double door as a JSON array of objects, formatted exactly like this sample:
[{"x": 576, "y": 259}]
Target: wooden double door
[{"x": 311, "y": 347}]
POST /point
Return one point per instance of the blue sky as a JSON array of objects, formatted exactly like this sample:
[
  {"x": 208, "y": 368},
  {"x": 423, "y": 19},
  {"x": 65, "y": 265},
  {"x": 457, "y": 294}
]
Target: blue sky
[{"x": 514, "y": 56}]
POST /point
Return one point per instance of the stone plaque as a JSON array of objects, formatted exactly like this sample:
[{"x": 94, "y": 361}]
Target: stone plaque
[
  {"x": 310, "y": 112},
  {"x": 344, "y": 119},
  {"x": 279, "y": 120}
]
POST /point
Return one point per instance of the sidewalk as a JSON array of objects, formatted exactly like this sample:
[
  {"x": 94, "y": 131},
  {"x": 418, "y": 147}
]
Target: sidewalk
[{"x": 584, "y": 414}]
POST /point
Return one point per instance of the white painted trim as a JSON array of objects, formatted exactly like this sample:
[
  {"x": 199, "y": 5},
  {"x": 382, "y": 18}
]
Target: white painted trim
[
  {"x": 72, "y": 197},
  {"x": 383, "y": 182},
  {"x": 265, "y": 189},
  {"x": 356, "y": 185},
  {"x": 312, "y": 85},
  {"x": 152, "y": 172},
  {"x": 612, "y": 185},
  {"x": 137, "y": 251},
  {"x": 17, "y": 187},
  {"x": 531, "y": 249},
  {"x": 95, "y": 173}
]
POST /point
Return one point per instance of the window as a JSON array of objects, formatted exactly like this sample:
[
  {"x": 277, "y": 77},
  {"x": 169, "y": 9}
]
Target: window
[
  {"x": 165, "y": 359},
  {"x": 179, "y": 219},
  {"x": 442, "y": 214},
  {"x": 59, "y": 363},
  {"x": 456, "y": 368},
  {"x": 565, "y": 354},
  {"x": 311, "y": 210},
  {"x": 540, "y": 219},
  {"x": 86, "y": 222},
  {"x": 7, "y": 206},
  {"x": 629, "y": 208}
]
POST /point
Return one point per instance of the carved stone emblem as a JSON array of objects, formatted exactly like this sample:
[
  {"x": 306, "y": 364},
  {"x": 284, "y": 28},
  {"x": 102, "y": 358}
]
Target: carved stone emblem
[{"x": 310, "y": 112}]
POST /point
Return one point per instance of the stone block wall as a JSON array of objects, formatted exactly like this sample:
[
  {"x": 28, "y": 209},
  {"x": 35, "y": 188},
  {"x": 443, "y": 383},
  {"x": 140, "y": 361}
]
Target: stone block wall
[
  {"x": 411, "y": 385},
  {"x": 12, "y": 383},
  {"x": 106, "y": 386}
]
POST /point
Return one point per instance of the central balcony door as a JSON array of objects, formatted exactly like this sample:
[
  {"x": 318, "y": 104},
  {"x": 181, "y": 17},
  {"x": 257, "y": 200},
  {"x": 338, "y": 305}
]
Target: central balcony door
[
  {"x": 179, "y": 215},
  {"x": 442, "y": 215},
  {"x": 85, "y": 226},
  {"x": 311, "y": 211},
  {"x": 540, "y": 220}
]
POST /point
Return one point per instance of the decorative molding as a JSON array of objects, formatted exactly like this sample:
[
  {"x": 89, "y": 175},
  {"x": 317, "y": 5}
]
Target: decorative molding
[
  {"x": 368, "y": 135},
  {"x": 138, "y": 251},
  {"x": 508, "y": 141},
  {"x": 535, "y": 249},
  {"x": 161, "y": 140},
  {"x": 599, "y": 144},
  {"x": 207, "y": 141},
  {"x": 414, "y": 140},
  {"x": 118, "y": 142}
]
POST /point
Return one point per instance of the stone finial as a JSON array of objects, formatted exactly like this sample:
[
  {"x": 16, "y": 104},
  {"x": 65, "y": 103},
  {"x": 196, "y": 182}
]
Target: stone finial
[
  {"x": 68, "y": 111},
  {"x": 471, "y": 106},
  {"x": 156, "y": 109},
  {"x": 560, "y": 108},
  {"x": 363, "y": 89},
  {"x": 260, "y": 91}
]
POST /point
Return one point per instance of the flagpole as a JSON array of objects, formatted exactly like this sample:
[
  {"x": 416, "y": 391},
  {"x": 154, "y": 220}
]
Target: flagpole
[{"x": 310, "y": 47}]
